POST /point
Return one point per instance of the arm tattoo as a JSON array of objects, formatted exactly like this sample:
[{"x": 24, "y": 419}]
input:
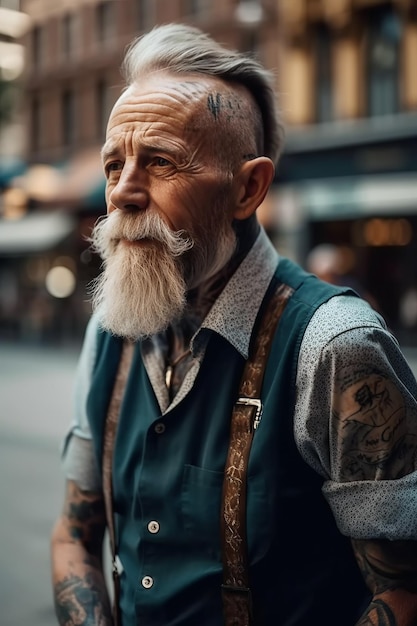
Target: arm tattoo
[
  {"x": 378, "y": 614},
  {"x": 387, "y": 565},
  {"x": 85, "y": 516},
  {"x": 80, "y": 592},
  {"x": 390, "y": 571},
  {"x": 374, "y": 440},
  {"x": 79, "y": 601}
]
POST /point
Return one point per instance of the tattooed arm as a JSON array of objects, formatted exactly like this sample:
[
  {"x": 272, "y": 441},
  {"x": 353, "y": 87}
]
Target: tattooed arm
[
  {"x": 390, "y": 571},
  {"x": 80, "y": 592},
  {"x": 375, "y": 431},
  {"x": 360, "y": 433}
]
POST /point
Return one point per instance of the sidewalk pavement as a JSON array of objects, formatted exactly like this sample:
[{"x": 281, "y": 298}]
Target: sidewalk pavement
[{"x": 35, "y": 391}]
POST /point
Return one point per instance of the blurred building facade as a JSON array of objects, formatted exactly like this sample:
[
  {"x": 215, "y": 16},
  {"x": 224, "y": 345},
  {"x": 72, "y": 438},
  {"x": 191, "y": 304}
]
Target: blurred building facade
[
  {"x": 348, "y": 176},
  {"x": 13, "y": 24},
  {"x": 344, "y": 69}
]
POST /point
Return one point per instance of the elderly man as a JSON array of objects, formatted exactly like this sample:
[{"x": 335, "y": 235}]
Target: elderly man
[{"x": 308, "y": 513}]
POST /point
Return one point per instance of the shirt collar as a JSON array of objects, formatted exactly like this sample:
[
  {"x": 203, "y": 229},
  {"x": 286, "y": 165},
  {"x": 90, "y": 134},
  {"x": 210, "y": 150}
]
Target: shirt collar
[{"x": 234, "y": 312}]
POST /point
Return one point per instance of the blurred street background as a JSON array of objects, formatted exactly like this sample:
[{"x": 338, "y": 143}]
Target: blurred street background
[
  {"x": 35, "y": 391},
  {"x": 343, "y": 203}
]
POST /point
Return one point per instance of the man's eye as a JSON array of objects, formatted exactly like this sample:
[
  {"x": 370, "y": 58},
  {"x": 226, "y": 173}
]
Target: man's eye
[
  {"x": 114, "y": 166},
  {"x": 162, "y": 162}
]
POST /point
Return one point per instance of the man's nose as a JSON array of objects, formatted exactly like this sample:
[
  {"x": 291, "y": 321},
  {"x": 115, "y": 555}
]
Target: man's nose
[{"x": 130, "y": 193}]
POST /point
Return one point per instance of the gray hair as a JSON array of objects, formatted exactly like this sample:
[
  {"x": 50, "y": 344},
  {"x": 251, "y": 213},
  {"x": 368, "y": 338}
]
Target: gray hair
[{"x": 183, "y": 49}]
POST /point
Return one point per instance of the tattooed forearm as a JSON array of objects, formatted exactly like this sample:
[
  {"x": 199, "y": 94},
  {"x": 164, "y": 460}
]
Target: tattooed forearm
[
  {"x": 387, "y": 564},
  {"x": 85, "y": 517},
  {"x": 378, "y": 614},
  {"x": 390, "y": 571},
  {"x": 80, "y": 601},
  {"x": 80, "y": 592}
]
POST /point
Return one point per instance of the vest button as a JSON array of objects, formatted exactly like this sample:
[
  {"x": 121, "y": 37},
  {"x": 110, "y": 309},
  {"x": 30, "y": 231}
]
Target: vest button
[
  {"x": 159, "y": 428},
  {"x": 147, "y": 582},
  {"x": 153, "y": 527}
]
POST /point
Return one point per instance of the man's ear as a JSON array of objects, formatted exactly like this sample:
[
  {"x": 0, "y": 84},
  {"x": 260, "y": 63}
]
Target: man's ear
[{"x": 253, "y": 181}]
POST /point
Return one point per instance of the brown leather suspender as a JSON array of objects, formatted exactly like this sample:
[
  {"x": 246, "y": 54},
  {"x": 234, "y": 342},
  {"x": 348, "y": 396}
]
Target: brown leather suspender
[
  {"x": 247, "y": 412},
  {"x": 245, "y": 419},
  {"x": 108, "y": 446}
]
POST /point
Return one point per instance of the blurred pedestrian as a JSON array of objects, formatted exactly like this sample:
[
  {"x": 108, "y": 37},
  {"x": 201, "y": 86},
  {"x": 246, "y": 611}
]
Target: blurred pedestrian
[
  {"x": 264, "y": 465},
  {"x": 333, "y": 264},
  {"x": 324, "y": 261}
]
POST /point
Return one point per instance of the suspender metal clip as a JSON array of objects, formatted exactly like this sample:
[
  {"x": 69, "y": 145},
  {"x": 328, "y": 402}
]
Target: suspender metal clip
[
  {"x": 256, "y": 403},
  {"x": 117, "y": 566}
]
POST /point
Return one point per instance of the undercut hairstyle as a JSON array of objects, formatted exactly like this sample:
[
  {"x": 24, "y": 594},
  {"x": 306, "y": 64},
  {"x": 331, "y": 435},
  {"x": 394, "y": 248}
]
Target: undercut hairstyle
[{"x": 182, "y": 49}]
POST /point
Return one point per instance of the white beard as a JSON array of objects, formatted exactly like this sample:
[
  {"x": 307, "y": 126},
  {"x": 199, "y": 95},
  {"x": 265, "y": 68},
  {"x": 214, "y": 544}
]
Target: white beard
[{"x": 143, "y": 287}]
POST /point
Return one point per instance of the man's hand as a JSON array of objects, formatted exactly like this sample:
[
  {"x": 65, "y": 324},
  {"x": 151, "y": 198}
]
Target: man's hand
[
  {"x": 390, "y": 571},
  {"x": 80, "y": 592}
]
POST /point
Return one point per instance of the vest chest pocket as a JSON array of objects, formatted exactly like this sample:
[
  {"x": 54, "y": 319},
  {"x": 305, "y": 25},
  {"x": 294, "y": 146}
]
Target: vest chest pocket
[
  {"x": 201, "y": 510},
  {"x": 200, "y": 506}
]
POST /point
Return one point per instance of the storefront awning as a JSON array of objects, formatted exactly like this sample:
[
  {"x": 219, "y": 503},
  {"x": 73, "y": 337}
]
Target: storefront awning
[
  {"x": 352, "y": 198},
  {"x": 9, "y": 169},
  {"x": 78, "y": 182},
  {"x": 36, "y": 232},
  {"x": 83, "y": 180}
]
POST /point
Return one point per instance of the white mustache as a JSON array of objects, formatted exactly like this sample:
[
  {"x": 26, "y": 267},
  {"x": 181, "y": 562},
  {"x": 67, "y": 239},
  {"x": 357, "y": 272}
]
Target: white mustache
[{"x": 109, "y": 230}]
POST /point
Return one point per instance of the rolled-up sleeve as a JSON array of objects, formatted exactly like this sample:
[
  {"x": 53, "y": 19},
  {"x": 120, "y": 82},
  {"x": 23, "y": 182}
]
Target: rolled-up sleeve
[
  {"x": 356, "y": 420},
  {"x": 78, "y": 458}
]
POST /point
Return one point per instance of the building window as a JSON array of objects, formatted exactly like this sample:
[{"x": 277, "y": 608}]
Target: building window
[
  {"x": 35, "y": 125},
  {"x": 196, "y": 8},
  {"x": 146, "y": 15},
  {"x": 324, "y": 84},
  {"x": 38, "y": 46},
  {"x": 249, "y": 42},
  {"x": 385, "y": 30},
  {"x": 68, "y": 118},
  {"x": 10, "y": 4},
  {"x": 105, "y": 18},
  {"x": 69, "y": 35},
  {"x": 103, "y": 104}
]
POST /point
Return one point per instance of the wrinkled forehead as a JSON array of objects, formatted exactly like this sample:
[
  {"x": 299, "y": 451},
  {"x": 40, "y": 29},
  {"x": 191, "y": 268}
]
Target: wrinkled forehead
[{"x": 188, "y": 96}]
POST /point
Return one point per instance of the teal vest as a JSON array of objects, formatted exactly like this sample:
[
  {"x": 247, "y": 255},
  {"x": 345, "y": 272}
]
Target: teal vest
[{"x": 169, "y": 469}]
